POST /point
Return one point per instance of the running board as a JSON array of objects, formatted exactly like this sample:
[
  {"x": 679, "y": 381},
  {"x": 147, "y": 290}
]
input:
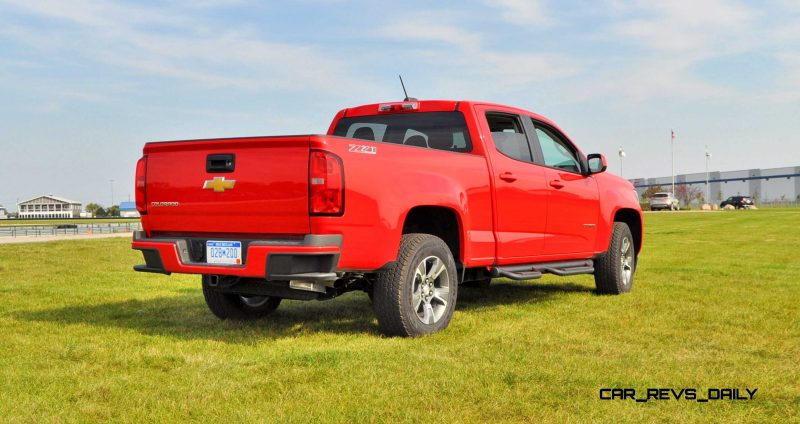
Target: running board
[{"x": 534, "y": 271}]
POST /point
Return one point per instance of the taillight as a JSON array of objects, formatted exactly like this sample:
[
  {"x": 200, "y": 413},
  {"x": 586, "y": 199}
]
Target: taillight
[
  {"x": 141, "y": 195},
  {"x": 325, "y": 184}
]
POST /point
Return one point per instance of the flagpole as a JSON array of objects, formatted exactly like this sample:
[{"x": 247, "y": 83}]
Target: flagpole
[
  {"x": 672, "y": 152},
  {"x": 708, "y": 188}
]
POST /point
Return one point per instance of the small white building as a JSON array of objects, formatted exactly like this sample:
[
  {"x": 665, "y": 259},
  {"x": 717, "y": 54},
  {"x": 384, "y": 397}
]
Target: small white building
[
  {"x": 3, "y": 212},
  {"x": 48, "y": 207}
]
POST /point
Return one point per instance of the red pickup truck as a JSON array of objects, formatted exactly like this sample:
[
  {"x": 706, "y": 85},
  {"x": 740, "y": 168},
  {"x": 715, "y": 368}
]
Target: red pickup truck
[{"x": 407, "y": 201}]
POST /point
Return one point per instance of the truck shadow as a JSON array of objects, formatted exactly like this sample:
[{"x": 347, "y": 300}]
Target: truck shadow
[
  {"x": 186, "y": 317},
  {"x": 504, "y": 292}
]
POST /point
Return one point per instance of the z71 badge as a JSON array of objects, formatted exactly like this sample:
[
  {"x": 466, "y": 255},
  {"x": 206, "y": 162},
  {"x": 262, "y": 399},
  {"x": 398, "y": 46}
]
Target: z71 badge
[{"x": 358, "y": 148}]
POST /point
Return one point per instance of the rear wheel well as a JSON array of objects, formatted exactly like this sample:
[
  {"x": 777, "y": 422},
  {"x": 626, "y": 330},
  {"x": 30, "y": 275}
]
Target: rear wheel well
[
  {"x": 634, "y": 222},
  {"x": 438, "y": 221}
]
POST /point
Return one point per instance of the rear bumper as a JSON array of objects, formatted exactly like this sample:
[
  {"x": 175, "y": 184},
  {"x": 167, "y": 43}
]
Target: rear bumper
[{"x": 315, "y": 258}]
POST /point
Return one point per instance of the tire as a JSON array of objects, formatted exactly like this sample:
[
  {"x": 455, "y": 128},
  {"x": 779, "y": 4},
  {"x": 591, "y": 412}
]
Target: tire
[
  {"x": 416, "y": 295},
  {"x": 236, "y": 306},
  {"x": 652, "y": 209},
  {"x": 614, "y": 270}
]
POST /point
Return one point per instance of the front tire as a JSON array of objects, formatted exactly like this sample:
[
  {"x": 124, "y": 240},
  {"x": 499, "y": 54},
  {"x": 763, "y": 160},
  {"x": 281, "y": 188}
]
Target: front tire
[
  {"x": 614, "y": 269},
  {"x": 237, "y": 306},
  {"x": 417, "y": 294}
]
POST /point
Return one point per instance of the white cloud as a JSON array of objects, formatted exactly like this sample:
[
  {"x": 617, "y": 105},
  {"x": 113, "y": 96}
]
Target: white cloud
[
  {"x": 453, "y": 46},
  {"x": 672, "y": 37},
  {"x": 681, "y": 26},
  {"x": 525, "y": 13},
  {"x": 179, "y": 46}
]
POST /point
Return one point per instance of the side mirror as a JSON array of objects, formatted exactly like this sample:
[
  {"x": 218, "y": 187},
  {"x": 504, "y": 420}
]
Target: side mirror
[{"x": 597, "y": 163}]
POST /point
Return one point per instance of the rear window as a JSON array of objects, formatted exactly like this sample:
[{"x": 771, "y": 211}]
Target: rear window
[
  {"x": 434, "y": 130},
  {"x": 660, "y": 195}
]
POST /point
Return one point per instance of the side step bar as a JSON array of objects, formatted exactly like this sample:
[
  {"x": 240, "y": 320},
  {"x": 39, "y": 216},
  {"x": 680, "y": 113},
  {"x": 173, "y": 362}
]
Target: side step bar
[{"x": 534, "y": 271}]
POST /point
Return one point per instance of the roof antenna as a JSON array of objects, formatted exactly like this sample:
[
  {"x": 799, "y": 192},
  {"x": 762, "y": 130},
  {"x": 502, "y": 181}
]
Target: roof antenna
[{"x": 407, "y": 99}]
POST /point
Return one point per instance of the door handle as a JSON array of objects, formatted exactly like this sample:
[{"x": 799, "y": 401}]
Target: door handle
[
  {"x": 556, "y": 184},
  {"x": 507, "y": 176}
]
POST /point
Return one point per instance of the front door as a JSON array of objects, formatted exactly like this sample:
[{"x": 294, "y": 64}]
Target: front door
[{"x": 573, "y": 202}]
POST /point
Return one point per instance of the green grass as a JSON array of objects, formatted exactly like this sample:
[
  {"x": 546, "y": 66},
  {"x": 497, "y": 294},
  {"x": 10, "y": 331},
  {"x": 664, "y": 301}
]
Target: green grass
[
  {"x": 48, "y": 222},
  {"x": 715, "y": 304}
]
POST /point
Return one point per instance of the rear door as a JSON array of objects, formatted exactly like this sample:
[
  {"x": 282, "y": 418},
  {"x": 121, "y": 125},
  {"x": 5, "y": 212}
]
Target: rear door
[
  {"x": 573, "y": 202},
  {"x": 192, "y": 189},
  {"x": 520, "y": 190}
]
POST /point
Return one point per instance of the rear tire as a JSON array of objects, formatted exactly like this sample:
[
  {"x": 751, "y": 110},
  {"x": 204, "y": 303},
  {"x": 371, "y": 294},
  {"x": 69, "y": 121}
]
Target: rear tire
[
  {"x": 237, "y": 306},
  {"x": 416, "y": 295},
  {"x": 614, "y": 270}
]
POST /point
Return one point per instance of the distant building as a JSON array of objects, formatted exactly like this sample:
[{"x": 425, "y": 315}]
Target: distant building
[
  {"x": 48, "y": 207},
  {"x": 774, "y": 185},
  {"x": 128, "y": 210},
  {"x": 3, "y": 212}
]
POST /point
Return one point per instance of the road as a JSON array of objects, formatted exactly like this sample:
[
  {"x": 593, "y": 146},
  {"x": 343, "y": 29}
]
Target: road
[{"x": 41, "y": 239}]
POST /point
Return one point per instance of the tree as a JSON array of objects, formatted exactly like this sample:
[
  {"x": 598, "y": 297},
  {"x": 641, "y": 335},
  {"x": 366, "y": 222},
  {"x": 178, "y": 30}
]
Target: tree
[
  {"x": 113, "y": 210},
  {"x": 101, "y": 213},
  {"x": 651, "y": 191},
  {"x": 92, "y": 209},
  {"x": 686, "y": 193}
]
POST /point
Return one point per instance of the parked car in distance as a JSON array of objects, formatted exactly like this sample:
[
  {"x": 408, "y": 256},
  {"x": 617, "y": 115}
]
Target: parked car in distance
[
  {"x": 739, "y": 202},
  {"x": 664, "y": 201}
]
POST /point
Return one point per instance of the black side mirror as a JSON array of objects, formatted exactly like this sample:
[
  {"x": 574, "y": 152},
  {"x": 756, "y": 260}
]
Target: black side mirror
[{"x": 597, "y": 163}]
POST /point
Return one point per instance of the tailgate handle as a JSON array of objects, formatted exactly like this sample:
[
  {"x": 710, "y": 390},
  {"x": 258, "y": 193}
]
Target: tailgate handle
[{"x": 225, "y": 162}]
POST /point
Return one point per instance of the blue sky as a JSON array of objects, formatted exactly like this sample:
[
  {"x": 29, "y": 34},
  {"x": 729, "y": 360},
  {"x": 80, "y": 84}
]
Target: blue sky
[{"x": 84, "y": 84}]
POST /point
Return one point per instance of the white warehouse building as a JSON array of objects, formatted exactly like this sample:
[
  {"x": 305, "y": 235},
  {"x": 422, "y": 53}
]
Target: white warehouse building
[
  {"x": 49, "y": 207},
  {"x": 774, "y": 185}
]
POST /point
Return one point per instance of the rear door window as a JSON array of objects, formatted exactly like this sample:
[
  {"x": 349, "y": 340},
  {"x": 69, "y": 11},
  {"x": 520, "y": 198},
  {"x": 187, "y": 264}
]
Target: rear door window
[{"x": 508, "y": 136}]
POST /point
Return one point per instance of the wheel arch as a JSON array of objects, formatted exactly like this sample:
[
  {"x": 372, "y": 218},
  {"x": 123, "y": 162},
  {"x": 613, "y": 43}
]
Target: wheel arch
[
  {"x": 440, "y": 221},
  {"x": 633, "y": 219}
]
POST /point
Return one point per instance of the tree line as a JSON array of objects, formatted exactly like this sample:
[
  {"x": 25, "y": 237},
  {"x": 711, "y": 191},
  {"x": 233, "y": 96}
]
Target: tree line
[{"x": 97, "y": 211}]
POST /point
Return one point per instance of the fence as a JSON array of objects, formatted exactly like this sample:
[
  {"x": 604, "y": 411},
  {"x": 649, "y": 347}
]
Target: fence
[{"x": 68, "y": 230}]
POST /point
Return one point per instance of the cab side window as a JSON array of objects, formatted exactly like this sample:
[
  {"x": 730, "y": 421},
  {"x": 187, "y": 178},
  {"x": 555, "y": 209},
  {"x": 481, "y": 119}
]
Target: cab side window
[
  {"x": 557, "y": 153},
  {"x": 508, "y": 136}
]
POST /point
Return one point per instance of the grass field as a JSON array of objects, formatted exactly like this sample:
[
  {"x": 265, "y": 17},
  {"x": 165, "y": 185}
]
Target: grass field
[
  {"x": 716, "y": 303},
  {"x": 49, "y": 222}
]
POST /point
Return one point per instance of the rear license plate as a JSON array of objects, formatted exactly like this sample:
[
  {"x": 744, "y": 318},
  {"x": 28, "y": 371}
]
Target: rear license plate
[{"x": 224, "y": 252}]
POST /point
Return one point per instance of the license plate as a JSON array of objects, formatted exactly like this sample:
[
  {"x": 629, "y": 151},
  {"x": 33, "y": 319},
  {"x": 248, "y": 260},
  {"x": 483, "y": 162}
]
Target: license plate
[{"x": 224, "y": 252}]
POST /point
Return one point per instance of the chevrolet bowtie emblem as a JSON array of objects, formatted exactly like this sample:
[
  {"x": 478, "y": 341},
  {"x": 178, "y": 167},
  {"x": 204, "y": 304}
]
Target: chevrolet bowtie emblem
[{"x": 219, "y": 184}]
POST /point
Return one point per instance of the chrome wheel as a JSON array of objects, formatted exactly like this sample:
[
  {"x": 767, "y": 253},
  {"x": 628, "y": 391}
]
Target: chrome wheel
[
  {"x": 626, "y": 259},
  {"x": 254, "y": 301},
  {"x": 430, "y": 291}
]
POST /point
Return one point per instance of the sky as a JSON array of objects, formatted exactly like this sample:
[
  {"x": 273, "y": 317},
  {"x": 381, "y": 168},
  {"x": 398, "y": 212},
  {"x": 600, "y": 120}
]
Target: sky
[{"x": 84, "y": 84}]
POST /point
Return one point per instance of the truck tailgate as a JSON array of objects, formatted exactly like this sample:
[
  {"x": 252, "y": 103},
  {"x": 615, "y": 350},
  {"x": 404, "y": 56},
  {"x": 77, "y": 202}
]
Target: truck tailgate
[{"x": 265, "y": 193}]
